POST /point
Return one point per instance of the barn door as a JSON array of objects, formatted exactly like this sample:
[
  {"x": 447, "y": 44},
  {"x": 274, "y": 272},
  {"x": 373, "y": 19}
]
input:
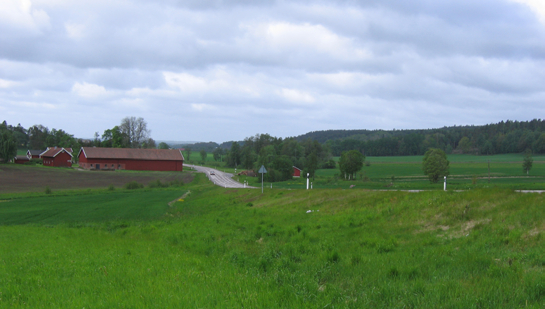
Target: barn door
[{"x": 98, "y": 166}]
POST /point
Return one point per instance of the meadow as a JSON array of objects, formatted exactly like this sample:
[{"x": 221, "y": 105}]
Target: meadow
[
  {"x": 405, "y": 173},
  {"x": 226, "y": 248}
]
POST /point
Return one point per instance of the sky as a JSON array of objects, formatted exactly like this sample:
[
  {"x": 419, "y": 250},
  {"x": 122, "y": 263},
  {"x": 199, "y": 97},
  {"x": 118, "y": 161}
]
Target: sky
[{"x": 213, "y": 70}]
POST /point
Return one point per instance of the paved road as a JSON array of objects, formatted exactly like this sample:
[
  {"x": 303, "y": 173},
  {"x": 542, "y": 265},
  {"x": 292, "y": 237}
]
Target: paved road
[{"x": 218, "y": 178}]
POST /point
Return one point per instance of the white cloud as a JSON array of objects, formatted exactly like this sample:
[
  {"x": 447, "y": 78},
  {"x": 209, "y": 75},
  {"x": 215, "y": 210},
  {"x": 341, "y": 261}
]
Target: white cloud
[
  {"x": 74, "y": 31},
  {"x": 7, "y": 83},
  {"x": 185, "y": 82},
  {"x": 538, "y": 6},
  {"x": 305, "y": 40},
  {"x": 88, "y": 90},
  {"x": 200, "y": 107},
  {"x": 296, "y": 96},
  {"x": 20, "y": 14}
]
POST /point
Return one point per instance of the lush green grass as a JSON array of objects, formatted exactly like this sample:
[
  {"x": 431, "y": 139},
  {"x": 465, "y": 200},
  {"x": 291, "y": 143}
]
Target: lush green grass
[
  {"x": 94, "y": 206},
  {"x": 466, "y": 172},
  {"x": 456, "y": 158},
  {"x": 225, "y": 248}
]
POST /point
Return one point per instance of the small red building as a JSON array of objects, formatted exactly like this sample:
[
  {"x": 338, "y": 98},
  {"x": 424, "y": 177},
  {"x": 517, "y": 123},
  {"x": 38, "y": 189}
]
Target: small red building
[
  {"x": 34, "y": 154},
  {"x": 57, "y": 157},
  {"x": 131, "y": 159},
  {"x": 21, "y": 159},
  {"x": 297, "y": 172}
]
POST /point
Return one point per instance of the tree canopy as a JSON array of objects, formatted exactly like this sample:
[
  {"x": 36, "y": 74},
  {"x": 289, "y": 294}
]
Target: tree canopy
[
  {"x": 350, "y": 163},
  {"x": 8, "y": 144},
  {"x": 435, "y": 164},
  {"x": 527, "y": 162}
]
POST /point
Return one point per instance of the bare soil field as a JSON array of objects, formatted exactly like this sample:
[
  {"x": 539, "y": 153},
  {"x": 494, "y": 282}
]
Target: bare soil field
[{"x": 20, "y": 178}]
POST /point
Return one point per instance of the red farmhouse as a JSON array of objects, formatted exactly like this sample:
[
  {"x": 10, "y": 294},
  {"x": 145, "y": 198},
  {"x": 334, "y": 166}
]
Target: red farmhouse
[
  {"x": 131, "y": 159},
  {"x": 57, "y": 157},
  {"x": 296, "y": 172}
]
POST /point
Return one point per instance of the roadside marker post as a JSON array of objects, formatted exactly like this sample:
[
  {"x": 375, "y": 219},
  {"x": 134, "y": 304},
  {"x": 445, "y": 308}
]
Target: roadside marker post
[
  {"x": 445, "y": 185},
  {"x": 308, "y": 174}
]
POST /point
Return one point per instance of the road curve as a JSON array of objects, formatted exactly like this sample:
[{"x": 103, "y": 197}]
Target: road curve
[{"x": 219, "y": 178}]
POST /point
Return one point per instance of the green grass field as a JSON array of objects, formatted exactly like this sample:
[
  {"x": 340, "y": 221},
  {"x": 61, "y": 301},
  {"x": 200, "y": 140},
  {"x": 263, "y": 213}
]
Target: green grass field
[{"x": 226, "y": 248}]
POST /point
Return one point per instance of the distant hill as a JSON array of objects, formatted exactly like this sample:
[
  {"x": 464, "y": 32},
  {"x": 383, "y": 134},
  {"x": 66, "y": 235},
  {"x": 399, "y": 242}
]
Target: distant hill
[
  {"x": 198, "y": 146},
  {"x": 503, "y": 137}
]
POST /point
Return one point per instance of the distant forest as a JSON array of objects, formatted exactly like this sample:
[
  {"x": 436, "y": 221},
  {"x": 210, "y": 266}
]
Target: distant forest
[{"x": 503, "y": 137}]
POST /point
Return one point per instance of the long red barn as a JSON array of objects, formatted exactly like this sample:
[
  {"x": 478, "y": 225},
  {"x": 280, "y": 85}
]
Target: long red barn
[{"x": 131, "y": 159}]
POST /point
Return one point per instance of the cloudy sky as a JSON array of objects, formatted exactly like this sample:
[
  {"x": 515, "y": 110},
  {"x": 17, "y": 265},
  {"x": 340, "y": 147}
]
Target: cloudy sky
[{"x": 213, "y": 70}]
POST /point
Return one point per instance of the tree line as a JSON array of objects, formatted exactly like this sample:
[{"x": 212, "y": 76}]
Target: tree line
[
  {"x": 499, "y": 138},
  {"x": 278, "y": 155},
  {"x": 132, "y": 132}
]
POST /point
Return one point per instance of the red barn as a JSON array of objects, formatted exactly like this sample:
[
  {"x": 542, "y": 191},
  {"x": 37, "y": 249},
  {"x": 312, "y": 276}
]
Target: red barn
[
  {"x": 131, "y": 159},
  {"x": 296, "y": 172},
  {"x": 57, "y": 157}
]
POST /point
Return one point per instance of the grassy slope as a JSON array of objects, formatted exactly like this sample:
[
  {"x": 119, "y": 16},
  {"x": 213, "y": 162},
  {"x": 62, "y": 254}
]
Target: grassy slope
[{"x": 232, "y": 248}]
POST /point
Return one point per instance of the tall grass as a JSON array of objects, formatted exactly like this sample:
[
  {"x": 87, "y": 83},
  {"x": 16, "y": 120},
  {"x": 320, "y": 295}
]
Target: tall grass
[{"x": 229, "y": 248}]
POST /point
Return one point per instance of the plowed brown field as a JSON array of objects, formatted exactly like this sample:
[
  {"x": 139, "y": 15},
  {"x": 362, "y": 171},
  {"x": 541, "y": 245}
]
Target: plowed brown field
[{"x": 20, "y": 178}]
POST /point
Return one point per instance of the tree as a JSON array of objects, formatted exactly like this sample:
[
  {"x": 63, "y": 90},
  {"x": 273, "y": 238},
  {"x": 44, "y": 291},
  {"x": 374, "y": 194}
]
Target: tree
[
  {"x": 8, "y": 145},
  {"x": 36, "y": 136},
  {"x": 351, "y": 162},
  {"x": 465, "y": 144},
  {"x": 203, "y": 155},
  {"x": 149, "y": 144},
  {"x": 163, "y": 145},
  {"x": 247, "y": 157},
  {"x": 281, "y": 169},
  {"x": 136, "y": 130},
  {"x": 539, "y": 144},
  {"x": 114, "y": 138},
  {"x": 233, "y": 159},
  {"x": 527, "y": 162},
  {"x": 435, "y": 164},
  {"x": 218, "y": 153},
  {"x": 312, "y": 164},
  {"x": 188, "y": 153}
]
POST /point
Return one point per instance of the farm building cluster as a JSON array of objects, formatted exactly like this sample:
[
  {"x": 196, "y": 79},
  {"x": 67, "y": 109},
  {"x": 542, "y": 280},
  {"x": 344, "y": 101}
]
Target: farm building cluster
[{"x": 93, "y": 158}]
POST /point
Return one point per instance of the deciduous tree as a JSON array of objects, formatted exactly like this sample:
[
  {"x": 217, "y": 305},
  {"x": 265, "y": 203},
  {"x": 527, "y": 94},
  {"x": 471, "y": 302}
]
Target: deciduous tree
[
  {"x": 8, "y": 145},
  {"x": 163, "y": 145},
  {"x": 351, "y": 162},
  {"x": 435, "y": 164},
  {"x": 136, "y": 130},
  {"x": 527, "y": 162},
  {"x": 218, "y": 154}
]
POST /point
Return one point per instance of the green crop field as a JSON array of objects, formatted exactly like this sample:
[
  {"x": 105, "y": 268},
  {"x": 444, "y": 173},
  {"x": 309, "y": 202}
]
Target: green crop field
[
  {"x": 405, "y": 173},
  {"x": 228, "y": 248}
]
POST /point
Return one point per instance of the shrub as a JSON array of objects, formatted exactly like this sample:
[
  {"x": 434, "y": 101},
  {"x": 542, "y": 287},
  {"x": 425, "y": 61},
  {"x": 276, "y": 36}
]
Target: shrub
[
  {"x": 157, "y": 184},
  {"x": 329, "y": 164},
  {"x": 176, "y": 183},
  {"x": 111, "y": 188},
  {"x": 47, "y": 190},
  {"x": 133, "y": 185}
]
